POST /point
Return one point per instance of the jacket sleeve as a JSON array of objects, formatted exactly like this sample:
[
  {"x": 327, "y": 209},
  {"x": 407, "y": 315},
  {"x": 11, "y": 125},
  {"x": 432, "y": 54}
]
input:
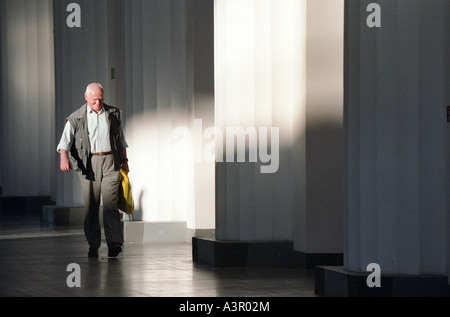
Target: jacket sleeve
[{"x": 67, "y": 138}]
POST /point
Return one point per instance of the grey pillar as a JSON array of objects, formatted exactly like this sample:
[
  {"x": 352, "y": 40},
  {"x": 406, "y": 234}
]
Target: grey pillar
[
  {"x": 27, "y": 105},
  {"x": 397, "y": 150}
]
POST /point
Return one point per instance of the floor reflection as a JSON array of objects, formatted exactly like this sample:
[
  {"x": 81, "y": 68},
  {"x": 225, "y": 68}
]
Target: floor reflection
[{"x": 42, "y": 254}]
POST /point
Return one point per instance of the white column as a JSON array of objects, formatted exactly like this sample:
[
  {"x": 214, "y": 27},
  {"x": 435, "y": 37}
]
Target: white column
[
  {"x": 27, "y": 98},
  {"x": 279, "y": 64},
  {"x": 260, "y": 86}
]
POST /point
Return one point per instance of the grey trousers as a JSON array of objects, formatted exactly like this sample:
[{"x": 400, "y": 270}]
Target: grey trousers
[{"x": 105, "y": 186}]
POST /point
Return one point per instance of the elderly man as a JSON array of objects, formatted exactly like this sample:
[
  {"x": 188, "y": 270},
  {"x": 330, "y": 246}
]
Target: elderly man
[{"x": 93, "y": 144}]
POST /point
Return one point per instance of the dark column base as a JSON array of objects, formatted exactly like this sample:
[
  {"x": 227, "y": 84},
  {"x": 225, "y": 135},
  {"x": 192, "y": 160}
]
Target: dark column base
[
  {"x": 334, "y": 281},
  {"x": 27, "y": 205},
  {"x": 256, "y": 253},
  {"x": 66, "y": 216}
]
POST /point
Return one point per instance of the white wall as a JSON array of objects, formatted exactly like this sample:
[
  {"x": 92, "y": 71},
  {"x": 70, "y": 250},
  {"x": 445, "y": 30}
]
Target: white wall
[{"x": 156, "y": 76}]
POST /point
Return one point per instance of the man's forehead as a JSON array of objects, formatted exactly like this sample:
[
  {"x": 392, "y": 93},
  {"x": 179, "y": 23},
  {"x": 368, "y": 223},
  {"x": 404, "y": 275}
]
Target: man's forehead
[{"x": 96, "y": 94}]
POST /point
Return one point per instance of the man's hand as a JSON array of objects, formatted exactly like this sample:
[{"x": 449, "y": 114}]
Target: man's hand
[
  {"x": 125, "y": 166},
  {"x": 64, "y": 161}
]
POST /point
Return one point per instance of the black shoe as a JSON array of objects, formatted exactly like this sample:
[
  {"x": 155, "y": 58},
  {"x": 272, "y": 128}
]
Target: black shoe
[
  {"x": 93, "y": 253},
  {"x": 114, "y": 249}
]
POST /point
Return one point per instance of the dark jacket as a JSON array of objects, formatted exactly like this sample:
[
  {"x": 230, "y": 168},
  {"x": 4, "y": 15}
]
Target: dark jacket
[{"x": 80, "y": 152}]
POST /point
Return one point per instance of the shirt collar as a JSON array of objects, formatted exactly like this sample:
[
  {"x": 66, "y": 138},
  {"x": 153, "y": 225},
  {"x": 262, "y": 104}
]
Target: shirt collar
[{"x": 90, "y": 111}]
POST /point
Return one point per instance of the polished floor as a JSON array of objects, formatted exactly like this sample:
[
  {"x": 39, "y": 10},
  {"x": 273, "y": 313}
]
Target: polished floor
[{"x": 35, "y": 262}]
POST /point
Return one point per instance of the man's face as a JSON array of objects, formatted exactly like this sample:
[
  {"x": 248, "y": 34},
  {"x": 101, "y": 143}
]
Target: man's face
[{"x": 94, "y": 98}]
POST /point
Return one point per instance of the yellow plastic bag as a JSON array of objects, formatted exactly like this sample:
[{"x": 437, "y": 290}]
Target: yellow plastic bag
[{"x": 125, "y": 203}]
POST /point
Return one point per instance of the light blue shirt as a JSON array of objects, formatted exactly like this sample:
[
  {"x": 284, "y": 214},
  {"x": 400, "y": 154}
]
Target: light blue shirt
[{"x": 98, "y": 133}]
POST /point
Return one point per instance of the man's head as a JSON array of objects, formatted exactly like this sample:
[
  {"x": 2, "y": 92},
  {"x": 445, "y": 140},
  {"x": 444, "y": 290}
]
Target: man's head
[{"x": 94, "y": 96}]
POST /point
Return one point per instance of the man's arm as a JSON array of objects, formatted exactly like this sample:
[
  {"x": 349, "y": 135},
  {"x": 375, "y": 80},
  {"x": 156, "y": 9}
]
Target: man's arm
[
  {"x": 63, "y": 147},
  {"x": 64, "y": 161}
]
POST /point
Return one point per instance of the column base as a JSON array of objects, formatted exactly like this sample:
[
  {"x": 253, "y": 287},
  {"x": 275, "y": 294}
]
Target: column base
[
  {"x": 65, "y": 216},
  {"x": 156, "y": 232},
  {"x": 23, "y": 205},
  {"x": 257, "y": 253},
  {"x": 334, "y": 281}
]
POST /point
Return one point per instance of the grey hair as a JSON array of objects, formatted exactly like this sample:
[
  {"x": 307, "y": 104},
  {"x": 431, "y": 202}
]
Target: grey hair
[{"x": 92, "y": 84}]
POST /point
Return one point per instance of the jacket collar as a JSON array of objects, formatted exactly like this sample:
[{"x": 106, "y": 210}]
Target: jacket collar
[{"x": 82, "y": 112}]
